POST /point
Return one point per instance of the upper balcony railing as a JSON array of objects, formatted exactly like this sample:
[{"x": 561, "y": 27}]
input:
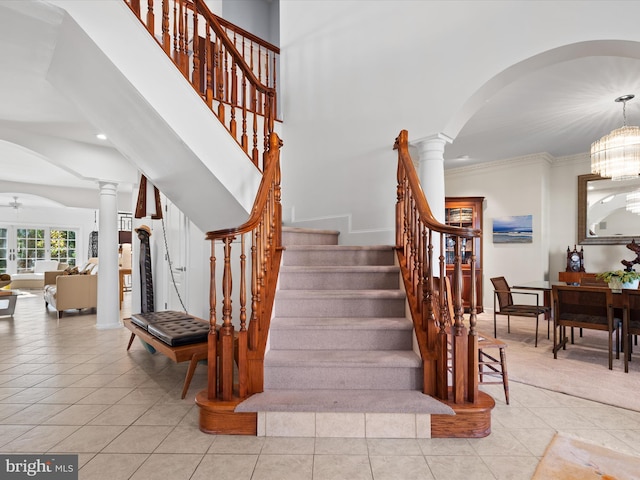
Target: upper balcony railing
[{"x": 233, "y": 71}]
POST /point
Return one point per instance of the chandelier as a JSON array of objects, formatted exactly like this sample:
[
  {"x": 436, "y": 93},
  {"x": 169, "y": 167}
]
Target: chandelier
[
  {"x": 633, "y": 202},
  {"x": 617, "y": 155}
]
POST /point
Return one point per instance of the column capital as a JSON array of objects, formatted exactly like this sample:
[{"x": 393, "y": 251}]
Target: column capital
[
  {"x": 106, "y": 185},
  {"x": 436, "y": 138}
]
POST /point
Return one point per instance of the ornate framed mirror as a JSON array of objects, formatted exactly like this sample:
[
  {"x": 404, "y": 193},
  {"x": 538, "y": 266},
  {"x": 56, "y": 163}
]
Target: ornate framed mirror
[{"x": 602, "y": 215}]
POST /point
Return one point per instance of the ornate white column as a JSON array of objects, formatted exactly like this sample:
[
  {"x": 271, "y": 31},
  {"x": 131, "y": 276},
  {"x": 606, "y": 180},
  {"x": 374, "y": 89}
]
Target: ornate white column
[
  {"x": 431, "y": 173},
  {"x": 108, "y": 276}
]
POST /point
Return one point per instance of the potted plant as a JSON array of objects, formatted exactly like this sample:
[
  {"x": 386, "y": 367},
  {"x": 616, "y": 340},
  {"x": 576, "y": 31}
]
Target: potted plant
[{"x": 619, "y": 279}]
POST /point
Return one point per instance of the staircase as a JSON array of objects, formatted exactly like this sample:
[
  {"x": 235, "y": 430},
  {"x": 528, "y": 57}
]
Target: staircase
[{"x": 340, "y": 359}]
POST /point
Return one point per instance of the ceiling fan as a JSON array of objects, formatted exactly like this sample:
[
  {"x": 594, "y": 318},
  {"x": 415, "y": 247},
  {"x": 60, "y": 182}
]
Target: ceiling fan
[{"x": 15, "y": 204}]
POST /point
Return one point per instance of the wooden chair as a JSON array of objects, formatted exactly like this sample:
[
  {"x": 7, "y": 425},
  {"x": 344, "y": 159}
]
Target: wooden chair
[
  {"x": 503, "y": 304},
  {"x": 491, "y": 367},
  {"x": 583, "y": 307},
  {"x": 630, "y": 322}
]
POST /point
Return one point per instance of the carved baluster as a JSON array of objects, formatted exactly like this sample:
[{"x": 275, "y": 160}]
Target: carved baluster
[
  {"x": 254, "y": 151},
  {"x": 220, "y": 79},
  {"x": 266, "y": 69},
  {"x": 458, "y": 332},
  {"x": 243, "y": 374},
  {"x": 234, "y": 98},
  {"x": 274, "y": 76},
  {"x": 472, "y": 353},
  {"x": 166, "y": 36},
  {"x": 176, "y": 19},
  {"x": 209, "y": 56},
  {"x": 212, "y": 339},
  {"x": 135, "y": 6},
  {"x": 261, "y": 105},
  {"x": 195, "y": 74},
  {"x": 442, "y": 344},
  {"x": 151, "y": 21},
  {"x": 226, "y": 330},
  {"x": 185, "y": 42},
  {"x": 244, "y": 139},
  {"x": 399, "y": 206},
  {"x": 255, "y": 294}
]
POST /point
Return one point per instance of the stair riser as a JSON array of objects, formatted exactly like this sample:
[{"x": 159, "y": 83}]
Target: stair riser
[
  {"x": 339, "y": 280},
  {"x": 342, "y": 378},
  {"x": 305, "y": 238},
  {"x": 327, "y": 339},
  {"x": 315, "y": 257},
  {"x": 339, "y": 307}
]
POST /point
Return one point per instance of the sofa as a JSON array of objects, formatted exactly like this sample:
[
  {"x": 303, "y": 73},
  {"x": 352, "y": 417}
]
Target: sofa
[
  {"x": 69, "y": 289},
  {"x": 35, "y": 279}
]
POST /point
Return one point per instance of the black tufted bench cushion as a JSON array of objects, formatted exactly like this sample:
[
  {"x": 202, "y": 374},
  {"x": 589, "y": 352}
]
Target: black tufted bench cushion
[
  {"x": 144, "y": 319},
  {"x": 183, "y": 331}
]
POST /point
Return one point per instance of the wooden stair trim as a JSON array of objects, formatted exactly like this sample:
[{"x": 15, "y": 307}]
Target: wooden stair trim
[
  {"x": 218, "y": 417},
  {"x": 472, "y": 420}
]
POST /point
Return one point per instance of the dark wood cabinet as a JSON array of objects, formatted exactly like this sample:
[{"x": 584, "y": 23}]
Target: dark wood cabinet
[{"x": 465, "y": 212}]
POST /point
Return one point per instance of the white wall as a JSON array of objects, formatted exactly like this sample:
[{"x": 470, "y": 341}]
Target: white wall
[
  {"x": 505, "y": 196},
  {"x": 546, "y": 188},
  {"x": 355, "y": 73}
]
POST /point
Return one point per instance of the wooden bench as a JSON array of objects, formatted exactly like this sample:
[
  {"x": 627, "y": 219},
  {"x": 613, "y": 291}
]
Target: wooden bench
[{"x": 179, "y": 351}]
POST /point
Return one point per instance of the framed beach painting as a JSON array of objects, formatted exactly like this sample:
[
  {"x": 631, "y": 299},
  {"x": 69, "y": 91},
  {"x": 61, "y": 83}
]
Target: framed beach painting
[{"x": 518, "y": 229}]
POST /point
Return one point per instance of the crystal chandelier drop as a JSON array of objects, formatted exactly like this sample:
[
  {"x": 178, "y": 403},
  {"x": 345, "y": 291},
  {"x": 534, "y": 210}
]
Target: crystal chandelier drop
[{"x": 617, "y": 155}]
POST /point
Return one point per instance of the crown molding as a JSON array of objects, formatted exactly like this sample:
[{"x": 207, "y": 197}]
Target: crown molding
[{"x": 500, "y": 164}]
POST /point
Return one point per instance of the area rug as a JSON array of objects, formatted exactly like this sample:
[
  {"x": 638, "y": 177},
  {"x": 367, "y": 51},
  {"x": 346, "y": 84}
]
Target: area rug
[
  {"x": 581, "y": 370},
  {"x": 567, "y": 458}
]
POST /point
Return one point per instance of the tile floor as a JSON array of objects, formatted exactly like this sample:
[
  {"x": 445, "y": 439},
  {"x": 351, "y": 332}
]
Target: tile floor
[{"x": 66, "y": 387}]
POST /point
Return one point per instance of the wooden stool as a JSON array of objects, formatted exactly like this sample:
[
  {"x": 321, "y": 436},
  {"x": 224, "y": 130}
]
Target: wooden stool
[{"x": 490, "y": 366}]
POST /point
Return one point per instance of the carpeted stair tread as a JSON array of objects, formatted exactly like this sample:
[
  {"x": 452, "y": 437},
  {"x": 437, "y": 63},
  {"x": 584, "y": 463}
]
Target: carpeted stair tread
[
  {"x": 339, "y": 268},
  {"x": 337, "y": 294},
  {"x": 349, "y": 323},
  {"x": 342, "y": 358},
  {"x": 361, "y": 401},
  {"x": 316, "y": 255}
]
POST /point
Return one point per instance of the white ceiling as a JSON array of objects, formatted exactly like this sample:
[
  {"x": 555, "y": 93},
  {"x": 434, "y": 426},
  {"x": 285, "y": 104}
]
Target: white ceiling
[
  {"x": 40, "y": 130},
  {"x": 559, "y": 110}
]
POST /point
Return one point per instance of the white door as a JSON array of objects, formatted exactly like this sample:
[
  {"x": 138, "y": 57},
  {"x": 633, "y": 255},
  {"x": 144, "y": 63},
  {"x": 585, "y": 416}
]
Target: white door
[{"x": 176, "y": 254}]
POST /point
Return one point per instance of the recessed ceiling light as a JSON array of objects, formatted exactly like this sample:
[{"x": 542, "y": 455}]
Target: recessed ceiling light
[{"x": 101, "y": 136}]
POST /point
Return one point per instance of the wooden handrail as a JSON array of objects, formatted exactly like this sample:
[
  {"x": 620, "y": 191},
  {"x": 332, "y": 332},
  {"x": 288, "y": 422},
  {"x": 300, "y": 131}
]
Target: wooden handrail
[
  {"x": 430, "y": 299},
  {"x": 236, "y": 77},
  {"x": 247, "y": 347}
]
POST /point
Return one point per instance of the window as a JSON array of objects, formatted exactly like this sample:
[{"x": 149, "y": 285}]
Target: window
[
  {"x": 63, "y": 246},
  {"x": 4, "y": 249},
  {"x": 30, "y": 247}
]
